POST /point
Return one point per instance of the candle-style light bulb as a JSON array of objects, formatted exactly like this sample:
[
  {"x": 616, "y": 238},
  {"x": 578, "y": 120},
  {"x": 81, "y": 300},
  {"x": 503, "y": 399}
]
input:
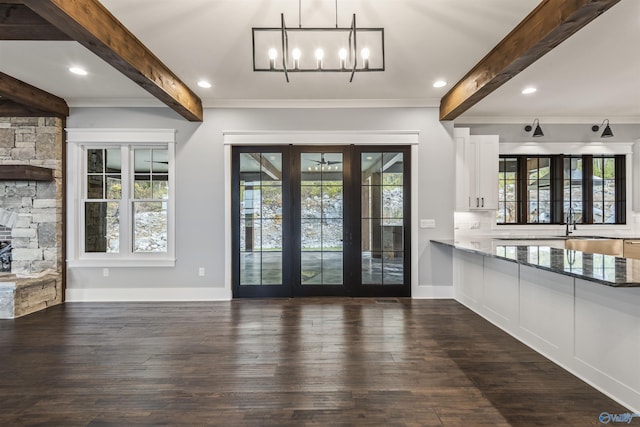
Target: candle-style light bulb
[
  {"x": 296, "y": 54},
  {"x": 319, "y": 57},
  {"x": 273, "y": 55},
  {"x": 342, "y": 54},
  {"x": 364, "y": 53}
]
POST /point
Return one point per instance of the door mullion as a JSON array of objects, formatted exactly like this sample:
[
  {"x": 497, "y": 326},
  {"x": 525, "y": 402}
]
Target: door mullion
[
  {"x": 352, "y": 267},
  {"x": 295, "y": 215}
]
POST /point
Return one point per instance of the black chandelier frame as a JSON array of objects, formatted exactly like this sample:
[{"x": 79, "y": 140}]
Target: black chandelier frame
[{"x": 352, "y": 31}]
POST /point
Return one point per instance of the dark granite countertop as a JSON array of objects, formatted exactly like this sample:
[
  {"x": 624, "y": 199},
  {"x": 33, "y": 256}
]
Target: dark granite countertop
[{"x": 604, "y": 269}]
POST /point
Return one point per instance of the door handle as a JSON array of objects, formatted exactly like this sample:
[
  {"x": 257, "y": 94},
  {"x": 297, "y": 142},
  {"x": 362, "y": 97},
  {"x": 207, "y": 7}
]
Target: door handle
[
  {"x": 629, "y": 242},
  {"x": 477, "y": 202},
  {"x": 483, "y": 202}
]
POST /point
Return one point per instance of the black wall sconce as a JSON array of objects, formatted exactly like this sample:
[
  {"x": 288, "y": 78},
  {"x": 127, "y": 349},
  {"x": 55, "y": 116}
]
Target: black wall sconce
[
  {"x": 607, "y": 132},
  {"x": 537, "y": 130}
]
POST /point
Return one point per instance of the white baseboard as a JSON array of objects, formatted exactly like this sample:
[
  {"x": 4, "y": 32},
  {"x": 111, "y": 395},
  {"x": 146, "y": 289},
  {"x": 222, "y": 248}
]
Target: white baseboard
[
  {"x": 202, "y": 294},
  {"x": 147, "y": 294},
  {"x": 432, "y": 292}
]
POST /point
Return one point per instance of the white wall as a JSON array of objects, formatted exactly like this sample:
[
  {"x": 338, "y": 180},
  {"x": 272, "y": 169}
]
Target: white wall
[{"x": 200, "y": 208}]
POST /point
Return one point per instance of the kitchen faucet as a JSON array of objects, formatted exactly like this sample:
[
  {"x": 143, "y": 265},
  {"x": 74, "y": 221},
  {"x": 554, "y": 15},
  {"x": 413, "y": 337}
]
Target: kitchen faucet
[{"x": 571, "y": 215}]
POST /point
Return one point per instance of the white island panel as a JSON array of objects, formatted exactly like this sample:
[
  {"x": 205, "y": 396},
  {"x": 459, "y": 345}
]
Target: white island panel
[
  {"x": 546, "y": 312},
  {"x": 500, "y": 292},
  {"x": 467, "y": 278},
  {"x": 607, "y": 338}
]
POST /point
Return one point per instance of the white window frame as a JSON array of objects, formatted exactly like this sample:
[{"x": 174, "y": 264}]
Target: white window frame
[{"x": 79, "y": 141}]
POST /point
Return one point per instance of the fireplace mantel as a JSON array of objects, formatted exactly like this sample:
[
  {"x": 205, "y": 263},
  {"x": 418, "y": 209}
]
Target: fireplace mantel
[{"x": 25, "y": 173}]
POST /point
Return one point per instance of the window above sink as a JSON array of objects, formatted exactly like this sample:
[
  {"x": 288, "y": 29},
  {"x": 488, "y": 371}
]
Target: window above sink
[{"x": 562, "y": 189}]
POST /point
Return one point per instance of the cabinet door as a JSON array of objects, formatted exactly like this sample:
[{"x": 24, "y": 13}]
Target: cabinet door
[
  {"x": 483, "y": 172},
  {"x": 461, "y": 139}
]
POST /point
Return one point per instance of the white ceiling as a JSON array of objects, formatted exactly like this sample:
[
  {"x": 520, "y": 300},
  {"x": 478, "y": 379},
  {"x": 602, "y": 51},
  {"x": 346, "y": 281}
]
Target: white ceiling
[{"x": 593, "y": 75}]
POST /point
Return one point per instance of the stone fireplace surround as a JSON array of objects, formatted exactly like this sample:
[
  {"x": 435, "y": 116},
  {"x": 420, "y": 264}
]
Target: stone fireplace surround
[{"x": 32, "y": 211}]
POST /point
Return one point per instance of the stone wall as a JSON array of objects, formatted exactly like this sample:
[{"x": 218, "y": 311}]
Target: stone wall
[{"x": 35, "y": 207}]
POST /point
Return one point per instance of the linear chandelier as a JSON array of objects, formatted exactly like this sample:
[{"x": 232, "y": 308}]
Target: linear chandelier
[{"x": 318, "y": 49}]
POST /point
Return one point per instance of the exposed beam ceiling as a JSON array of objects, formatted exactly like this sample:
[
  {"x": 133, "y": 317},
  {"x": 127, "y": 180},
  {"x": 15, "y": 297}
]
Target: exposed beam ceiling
[
  {"x": 548, "y": 25},
  {"x": 13, "y": 109},
  {"x": 30, "y": 97},
  {"x": 92, "y": 25},
  {"x": 18, "y": 22}
]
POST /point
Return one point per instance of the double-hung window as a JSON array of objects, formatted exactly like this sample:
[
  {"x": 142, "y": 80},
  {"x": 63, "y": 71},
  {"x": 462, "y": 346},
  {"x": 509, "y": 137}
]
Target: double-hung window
[
  {"x": 556, "y": 189},
  {"x": 122, "y": 209}
]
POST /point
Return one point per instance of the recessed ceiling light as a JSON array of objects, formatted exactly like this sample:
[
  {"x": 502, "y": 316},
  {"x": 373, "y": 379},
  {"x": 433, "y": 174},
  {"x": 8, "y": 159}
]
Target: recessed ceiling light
[
  {"x": 204, "y": 84},
  {"x": 529, "y": 90},
  {"x": 439, "y": 83},
  {"x": 79, "y": 71}
]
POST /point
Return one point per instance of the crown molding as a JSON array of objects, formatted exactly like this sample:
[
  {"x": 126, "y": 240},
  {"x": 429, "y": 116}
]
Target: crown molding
[
  {"x": 476, "y": 120},
  {"x": 263, "y": 103}
]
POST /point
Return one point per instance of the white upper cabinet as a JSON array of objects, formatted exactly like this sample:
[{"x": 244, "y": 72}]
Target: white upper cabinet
[
  {"x": 476, "y": 170},
  {"x": 483, "y": 172},
  {"x": 461, "y": 138}
]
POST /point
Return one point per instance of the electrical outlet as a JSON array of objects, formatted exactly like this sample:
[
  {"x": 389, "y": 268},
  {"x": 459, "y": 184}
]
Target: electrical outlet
[
  {"x": 105, "y": 272},
  {"x": 474, "y": 225},
  {"x": 201, "y": 272}
]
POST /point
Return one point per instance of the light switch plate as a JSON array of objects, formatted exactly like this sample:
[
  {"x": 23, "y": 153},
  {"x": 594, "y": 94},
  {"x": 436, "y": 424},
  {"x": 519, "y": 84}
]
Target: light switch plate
[{"x": 427, "y": 223}]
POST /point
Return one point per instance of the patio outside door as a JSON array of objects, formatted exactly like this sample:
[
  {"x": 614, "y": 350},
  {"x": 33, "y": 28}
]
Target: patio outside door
[{"x": 312, "y": 221}]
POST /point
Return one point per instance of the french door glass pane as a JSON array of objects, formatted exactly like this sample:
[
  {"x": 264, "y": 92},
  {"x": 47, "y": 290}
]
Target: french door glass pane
[
  {"x": 311, "y": 268},
  {"x": 382, "y": 218},
  {"x": 322, "y": 218},
  {"x": 261, "y": 241},
  {"x": 332, "y": 268}
]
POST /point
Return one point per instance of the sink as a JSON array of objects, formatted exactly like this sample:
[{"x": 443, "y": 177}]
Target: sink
[
  {"x": 589, "y": 244},
  {"x": 532, "y": 238},
  {"x": 552, "y": 238},
  {"x": 596, "y": 245}
]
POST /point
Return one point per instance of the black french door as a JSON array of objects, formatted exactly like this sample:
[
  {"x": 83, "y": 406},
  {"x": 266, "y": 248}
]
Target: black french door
[{"x": 321, "y": 221}]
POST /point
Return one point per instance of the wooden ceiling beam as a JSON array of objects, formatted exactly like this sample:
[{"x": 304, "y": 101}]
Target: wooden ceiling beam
[
  {"x": 31, "y": 98},
  {"x": 18, "y": 22},
  {"x": 548, "y": 25},
  {"x": 93, "y": 26},
  {"x": 13, "y": 109}
]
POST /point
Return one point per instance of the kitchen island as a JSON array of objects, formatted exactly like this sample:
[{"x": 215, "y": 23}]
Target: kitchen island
[
  {"x": 549, "y": 254},
  {"x": 578, "y": 309}
]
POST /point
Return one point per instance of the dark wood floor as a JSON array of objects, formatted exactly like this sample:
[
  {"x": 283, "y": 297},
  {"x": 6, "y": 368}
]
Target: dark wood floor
[{"x": 326, "y": 362}]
